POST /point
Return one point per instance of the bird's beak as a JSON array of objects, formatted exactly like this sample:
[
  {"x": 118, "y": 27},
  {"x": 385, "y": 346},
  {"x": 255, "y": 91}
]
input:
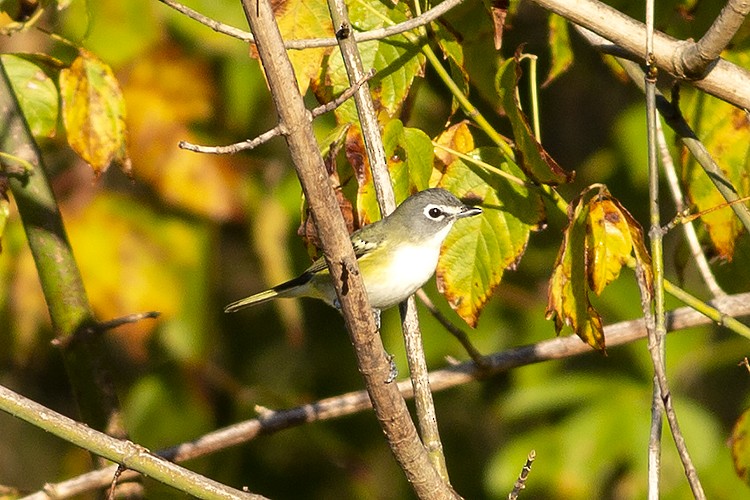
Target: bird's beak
[{"x": 467, "y": 211}]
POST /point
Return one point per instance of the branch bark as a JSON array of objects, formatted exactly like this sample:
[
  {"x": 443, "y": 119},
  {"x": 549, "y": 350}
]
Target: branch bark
[
  {"x": 121, "y": 451},
  {"x": 373, "y": 363},
  {"x": 724, "y": 80}
]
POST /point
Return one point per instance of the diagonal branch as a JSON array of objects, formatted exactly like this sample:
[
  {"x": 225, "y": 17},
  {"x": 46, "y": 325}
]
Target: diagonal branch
[
  {"x": 58, "y": 272},
  {"x": 277, "y": 130},
  {"x": 726, "y": 81},
  {"x": 123, "y": 452},
  {"x": 693, "y": 60}
]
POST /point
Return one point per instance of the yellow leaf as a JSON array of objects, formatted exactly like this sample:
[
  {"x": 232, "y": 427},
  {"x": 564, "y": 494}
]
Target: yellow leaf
[
  {"x": 302, "y": 19},
  {"x": 457, "y": 137},
  {"x": 93, "y": 112},
  {"x": 568, "y": 300},
  {"x": 608, "y": 242}
]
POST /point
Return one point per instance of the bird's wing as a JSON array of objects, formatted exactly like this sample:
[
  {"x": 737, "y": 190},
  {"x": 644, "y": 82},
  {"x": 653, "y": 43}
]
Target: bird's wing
[{"x": 363, "y": 241}]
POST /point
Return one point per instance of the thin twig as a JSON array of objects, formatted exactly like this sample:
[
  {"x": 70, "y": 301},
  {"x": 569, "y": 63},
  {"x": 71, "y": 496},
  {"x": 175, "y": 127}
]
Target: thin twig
[
  {"x": 347, "y": 404},
  {"x": 364, "y": 36},
  {"x": 88, "y": 332},
  {"x": 115, "y": 478},
  {"x": 279, "y": 129},
  {"x": 653, "y": 304},
  {"x": 418, "y": 370},
  {"x": 520, "y": 483},
  {"x": 453, "y": 329},
  {"x": 658, "y": 329}
]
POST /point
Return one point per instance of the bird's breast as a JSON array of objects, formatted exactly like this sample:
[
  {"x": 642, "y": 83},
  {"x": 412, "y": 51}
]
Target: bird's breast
[{"x": 408, "y": 268}]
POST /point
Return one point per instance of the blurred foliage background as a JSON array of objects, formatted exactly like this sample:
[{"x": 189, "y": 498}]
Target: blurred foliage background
[{"x": 193, "y": 232}]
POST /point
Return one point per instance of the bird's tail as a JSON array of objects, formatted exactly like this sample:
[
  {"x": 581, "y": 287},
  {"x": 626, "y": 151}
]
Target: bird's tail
[
  {"x": 258, "y": 298},
  {"x": 293, "y": 288}
]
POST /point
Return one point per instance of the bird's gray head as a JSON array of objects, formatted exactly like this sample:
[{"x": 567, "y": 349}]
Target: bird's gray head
[{"x": 431, "y": 211}]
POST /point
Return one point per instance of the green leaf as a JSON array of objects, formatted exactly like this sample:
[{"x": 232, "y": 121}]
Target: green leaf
[
  {"x": 396, "y": 61},
  {"x": 479, "y": 249},
  {"x": 94, "y": 113},
  {"x": 725, "y": 132},
  {"x": 36, "y": 94},
  {"x": 561, "y": 53},
  {"x": 410, "y": 153},
  {"x": 534, "y": 160}
]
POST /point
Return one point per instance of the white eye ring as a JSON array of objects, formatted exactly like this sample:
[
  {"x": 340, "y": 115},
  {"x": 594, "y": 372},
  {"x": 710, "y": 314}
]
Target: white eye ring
[{"x": 433, "y": 212}]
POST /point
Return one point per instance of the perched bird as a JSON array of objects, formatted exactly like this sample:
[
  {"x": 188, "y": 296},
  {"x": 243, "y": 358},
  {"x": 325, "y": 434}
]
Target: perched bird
[{"x": 396, "y": 255}]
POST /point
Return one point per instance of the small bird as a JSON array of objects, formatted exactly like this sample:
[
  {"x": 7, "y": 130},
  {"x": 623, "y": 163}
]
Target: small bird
[{"x": 396, "y": 255}]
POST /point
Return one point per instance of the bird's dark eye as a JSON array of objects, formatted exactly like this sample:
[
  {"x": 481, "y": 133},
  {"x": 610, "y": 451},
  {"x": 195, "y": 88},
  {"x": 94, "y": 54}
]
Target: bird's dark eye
[{"x": 435, "y": 212}]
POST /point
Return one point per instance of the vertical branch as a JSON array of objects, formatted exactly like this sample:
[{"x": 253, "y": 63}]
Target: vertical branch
[
  {"x": 657, "y": 330},
  {"x": 61, "y": 281},
  {"x": 656, "y": 323},
  {"x": 388, "y": 403},
  {"x": 418, "y": 370}
]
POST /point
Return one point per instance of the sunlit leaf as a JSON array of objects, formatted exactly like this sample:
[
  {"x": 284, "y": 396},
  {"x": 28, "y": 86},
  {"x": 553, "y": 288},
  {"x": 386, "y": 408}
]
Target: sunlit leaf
[
  {"x": 569, "y": 303},
  {"x": 36, "y": 94},
  {"x": 740, "y": 443},
  {"x": 456, "y": 137},
  {"x": 608, "y": 242},
  {"x": 302, "y": 19},
  {"x": 561, "y": 54},
  {"x": 479, "y": 249},
  {"x": 600, "y": 238},
  {"x": 396, "y": 61},
  {"x": 93, "y": 112},
  {"x": 533, "y": 158},
  {"x": 409, "y": 153},
  {"x": 725, "y": 131}
]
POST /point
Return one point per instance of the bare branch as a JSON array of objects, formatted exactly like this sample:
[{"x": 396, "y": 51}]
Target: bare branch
[
  {"x": 120, "y": 451},
  {"x": 693, "y": 60},
  {"x": 376, "y": 34},
  {"x": 86, "y": 333},
  {"x": 277, "y": 130},
  {"x": 375, "y": 367},
  {"x": 347, "y": 404},
  {"x": 725, "y": 80},
  {"x": 520, "y": 483},
  {"x": 211, "y": 23}
]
